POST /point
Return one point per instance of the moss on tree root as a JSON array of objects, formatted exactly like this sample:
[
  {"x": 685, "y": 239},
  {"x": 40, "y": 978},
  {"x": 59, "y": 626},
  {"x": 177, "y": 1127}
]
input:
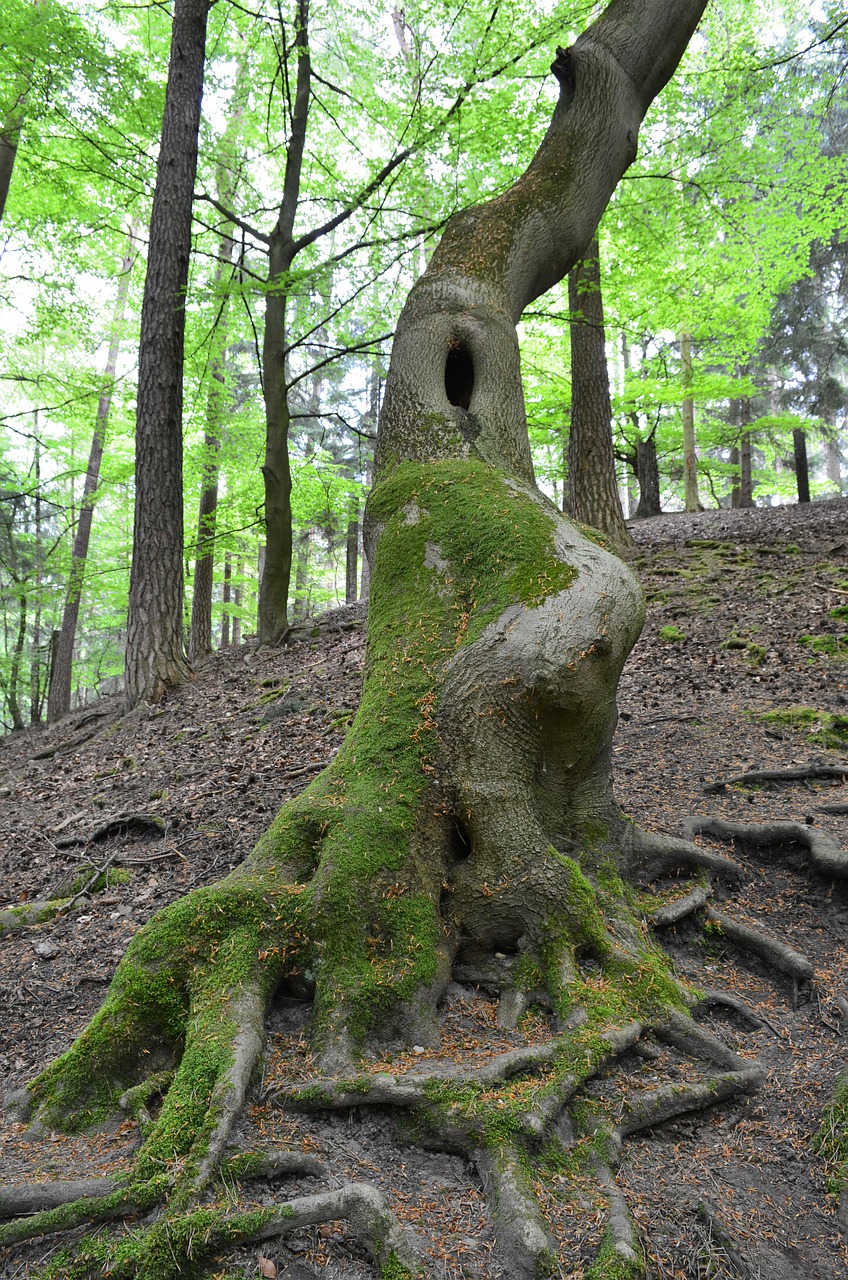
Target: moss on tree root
[{"x": 352, "y": 892}]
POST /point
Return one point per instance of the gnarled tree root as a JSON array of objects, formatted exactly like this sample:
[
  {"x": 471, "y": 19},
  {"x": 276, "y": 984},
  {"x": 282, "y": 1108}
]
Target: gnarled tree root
[
  {"x": 825, "y": 854},
  {"x": 755, "y": 777}
]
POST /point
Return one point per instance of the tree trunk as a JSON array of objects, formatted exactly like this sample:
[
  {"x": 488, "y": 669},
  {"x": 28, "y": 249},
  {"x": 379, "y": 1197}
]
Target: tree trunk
[
  {"x": 591, "y": 459},
  {"x": 468, "y": 819},
  {"x": 225, "y": 601},
  {"x": 833, "y": 459},
  {"x": 648, "y": 475},
  {"x": 59, "y": 697},
  {"x": 802, "y": 472},
  {"x": 155, "y": 656},
  {"x": 13, "y": 696},
  {"x": 690, "y": 456},
  {"x": 274, "y": 583},
  {"x": 9, "y": 138},
  {"x": 237, "y": 598},
  {"x": 352, "y": 555}
]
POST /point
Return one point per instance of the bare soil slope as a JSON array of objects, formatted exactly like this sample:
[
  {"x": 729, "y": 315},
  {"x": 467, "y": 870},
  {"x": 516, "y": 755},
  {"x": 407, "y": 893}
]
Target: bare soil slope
[{"x": 748, "y": 615}]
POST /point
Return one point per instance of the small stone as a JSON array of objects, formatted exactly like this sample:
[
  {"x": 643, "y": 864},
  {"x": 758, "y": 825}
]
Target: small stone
[
  {"x": 46, "y": 949},
  {"x": 418, "y": 1048}
]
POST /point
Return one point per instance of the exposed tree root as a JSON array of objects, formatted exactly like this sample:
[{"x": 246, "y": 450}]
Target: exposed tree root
[
  {"x": 756, "y": 777},
  {"x": 525, "y": 1243},
  {"x": 825, "y": 854},
  {"x": 656, "y": 855},
  {"x": 723, "y": 999},
  {"x": 655, "y": 1106},
  {"x": 776, "y": 953},
  {"x": 681, "y": 908},
  {"x": 39, "y": 1197}
]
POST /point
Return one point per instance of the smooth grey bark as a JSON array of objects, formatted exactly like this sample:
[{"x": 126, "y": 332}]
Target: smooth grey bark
[
  {"x": 494, "y": 259},
  {"x": 593, "y": 484},
  {"x": 525, "y": 712},
  {"x": 155, "y": 655},
  {"x": 61, "y": 671}
]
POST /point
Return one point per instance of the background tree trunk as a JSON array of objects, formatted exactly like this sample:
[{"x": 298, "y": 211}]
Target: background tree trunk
[
  {"x": 591, "y": 460},
  {"x": 155, "y": 656},
  {"x": 802, "y": 471},
  {"x": 61, "y": 671},
  {"x": 274, "y": 583},
  {"x": 648, "y": 475},
  {"x": 690, "y": 455}
]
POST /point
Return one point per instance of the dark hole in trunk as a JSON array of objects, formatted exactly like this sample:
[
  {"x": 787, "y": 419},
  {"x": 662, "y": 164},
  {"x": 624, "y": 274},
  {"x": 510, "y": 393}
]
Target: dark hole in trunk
[
  {"x": 460, "y": 845},
  {"x": 459, "y": 375}
]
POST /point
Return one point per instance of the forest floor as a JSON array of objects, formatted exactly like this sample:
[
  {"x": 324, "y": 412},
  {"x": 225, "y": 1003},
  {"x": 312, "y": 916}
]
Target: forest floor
[{"x": 741, "y": 624}]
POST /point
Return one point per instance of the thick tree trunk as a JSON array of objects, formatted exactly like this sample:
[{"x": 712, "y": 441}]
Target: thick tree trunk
[
  {"x": 468, "y": 818},
  {"x": 155, "y": 656},
  {"x": 802, "y": 471},
  {"x": 59, "y": 697},
  {"x": 591, "y": 459}
]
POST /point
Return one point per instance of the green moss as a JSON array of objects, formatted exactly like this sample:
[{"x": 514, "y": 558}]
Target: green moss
[
  {"x": 831, "y": 1140},
  {"x": 825, "y": 728},
  {"x": 671, "y": 634},
  {"x": 840, "y": 613},
  {"x": 832, "y": 646},
  {"x": 394, "y": 1269},
  {"x": 610, "y": 1264}
]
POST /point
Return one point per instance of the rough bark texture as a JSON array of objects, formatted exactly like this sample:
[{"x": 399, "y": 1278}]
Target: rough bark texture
[
  {"x": 155, "y": 658},
  {"x": 61, "y": 670},
  {"x": 468, "y": 819},
  {"x": 591, "y": 459},
  {"x": 648, "y": 475}
]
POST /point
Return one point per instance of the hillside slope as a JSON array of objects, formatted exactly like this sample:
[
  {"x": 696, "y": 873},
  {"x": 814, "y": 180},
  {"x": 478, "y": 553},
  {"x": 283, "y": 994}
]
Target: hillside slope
[{"x": 748, "y": 617}]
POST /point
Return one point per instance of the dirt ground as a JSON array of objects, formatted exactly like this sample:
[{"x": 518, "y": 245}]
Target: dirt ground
[{"x": 748, "y": 614}]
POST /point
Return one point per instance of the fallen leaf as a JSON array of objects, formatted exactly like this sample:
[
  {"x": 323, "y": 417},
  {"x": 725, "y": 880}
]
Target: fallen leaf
[{"x": 266, "y": 1267}]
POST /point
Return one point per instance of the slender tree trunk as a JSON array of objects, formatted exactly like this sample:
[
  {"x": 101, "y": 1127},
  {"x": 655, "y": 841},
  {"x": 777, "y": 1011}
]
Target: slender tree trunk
[
  {"x": 59, "y": 697},
  {"x": 802, "y": 471},
  {"x": 833, "y": 459},
  {"x": 690, "y": 456},
  {"x": 648, "y": 475},
  {"x": 237, "y": 597},
  {"x": 155, "y": 656},
  {"x": 746, "y": 475},
  {"x": 736, "y": 482},
  {"x": 17, "y": 659},
  {"x": 591, "y": 459},
  {"x": 34, "y": 667},
  {"x": 200, "y": 634},
  {"x": 352, "y": 554},
  {"x": 276, "y": 470},
  {"x": 200, "y": 631},
  {"x": 225, "y": 601}
]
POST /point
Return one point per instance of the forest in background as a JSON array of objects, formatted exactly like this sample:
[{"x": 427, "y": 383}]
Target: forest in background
[{"x": 722, "y": 259}]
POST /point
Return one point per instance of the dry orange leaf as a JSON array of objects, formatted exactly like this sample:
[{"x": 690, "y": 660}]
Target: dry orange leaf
[{"x": 266, "y": 1267}]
